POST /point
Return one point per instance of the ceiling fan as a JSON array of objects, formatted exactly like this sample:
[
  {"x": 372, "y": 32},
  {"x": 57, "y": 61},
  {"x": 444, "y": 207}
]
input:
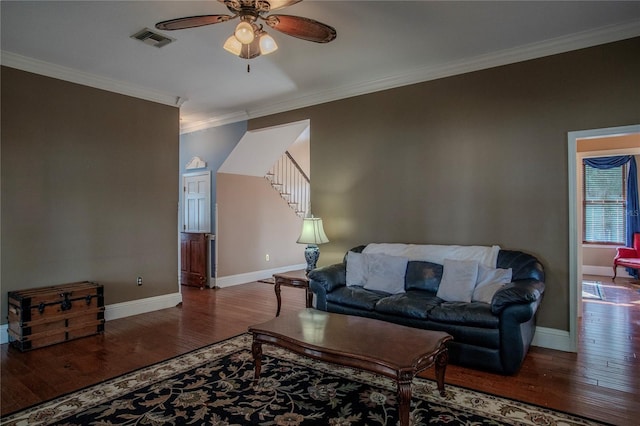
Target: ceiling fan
[{"x": 249, "y": 40}]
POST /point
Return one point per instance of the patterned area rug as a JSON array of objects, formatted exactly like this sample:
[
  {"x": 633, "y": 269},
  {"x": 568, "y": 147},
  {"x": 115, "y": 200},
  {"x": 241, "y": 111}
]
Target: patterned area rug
[{"x": 214, "y": 386}]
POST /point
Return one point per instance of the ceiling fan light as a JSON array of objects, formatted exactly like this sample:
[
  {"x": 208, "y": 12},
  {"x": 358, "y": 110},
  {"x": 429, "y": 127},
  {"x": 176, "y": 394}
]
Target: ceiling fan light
[
  {"x": 267, "y": 44},
  {"x": 233, "y": 45},
  {"x": 251, "y": 50},
  {"x": 244, "y": 32}
]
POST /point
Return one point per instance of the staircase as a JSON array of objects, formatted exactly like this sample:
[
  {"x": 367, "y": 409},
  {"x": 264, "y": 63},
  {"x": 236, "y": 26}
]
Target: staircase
[{"x": 291, "y": 182}]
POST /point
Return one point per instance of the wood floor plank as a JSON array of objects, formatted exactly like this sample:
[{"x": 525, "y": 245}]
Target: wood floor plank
[{"x": 601, "y": 381}]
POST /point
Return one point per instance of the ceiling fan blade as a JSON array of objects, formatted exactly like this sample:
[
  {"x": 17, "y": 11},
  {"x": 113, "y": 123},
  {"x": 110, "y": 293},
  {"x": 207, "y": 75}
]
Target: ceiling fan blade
[
  {"x": 304, "y": 28},
  {"x": 279, "y": 4},
  {"x": 191, "y": 22}
]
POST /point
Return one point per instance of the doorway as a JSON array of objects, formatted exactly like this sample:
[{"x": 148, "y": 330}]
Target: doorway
[
  {"x": 195, "y": 265},
  {"x": 257, "y": 222},
  {"x": 575, "y": 211}
]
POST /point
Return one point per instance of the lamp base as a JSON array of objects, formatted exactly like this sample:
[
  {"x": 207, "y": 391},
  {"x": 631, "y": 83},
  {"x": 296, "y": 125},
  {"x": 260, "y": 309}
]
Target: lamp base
[{"x": 311, "y": 255}]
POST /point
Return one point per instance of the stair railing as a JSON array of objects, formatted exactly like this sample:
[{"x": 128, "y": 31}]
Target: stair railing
[{"x": 287, "y": 177}]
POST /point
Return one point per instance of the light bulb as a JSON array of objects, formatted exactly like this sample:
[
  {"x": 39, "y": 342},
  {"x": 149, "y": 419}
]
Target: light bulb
[
  {"x": 244, "y": 32},
  {"x": 267, "y": 44},
  {"x": 233, "y": 45}
]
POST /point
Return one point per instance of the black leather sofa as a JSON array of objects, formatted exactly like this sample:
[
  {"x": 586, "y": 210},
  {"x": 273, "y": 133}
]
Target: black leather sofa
[{"x": 492, "y": 337}]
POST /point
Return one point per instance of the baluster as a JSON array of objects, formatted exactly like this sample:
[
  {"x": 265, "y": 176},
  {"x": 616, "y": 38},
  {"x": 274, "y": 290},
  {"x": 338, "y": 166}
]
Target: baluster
[{"x": 291, "y": 182}]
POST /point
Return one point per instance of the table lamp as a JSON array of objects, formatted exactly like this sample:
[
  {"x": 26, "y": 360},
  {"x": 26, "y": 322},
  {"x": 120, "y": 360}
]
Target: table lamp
[{"x": 312, "y": 234}]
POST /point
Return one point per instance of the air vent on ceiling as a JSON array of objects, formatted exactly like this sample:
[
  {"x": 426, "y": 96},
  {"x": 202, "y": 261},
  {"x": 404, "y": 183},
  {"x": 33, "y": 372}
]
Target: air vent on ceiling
[{"x": 151, "y": 38}]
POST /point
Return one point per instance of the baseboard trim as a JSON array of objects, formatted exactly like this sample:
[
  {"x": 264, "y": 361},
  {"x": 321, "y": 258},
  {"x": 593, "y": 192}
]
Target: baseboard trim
[
  {"x": 141, "y": 306},
  {"x": 604, "y": 271},
  {"x": 124, "y": 309},
  {"x": 231, "y": 280},
  {"x": 552, "y": 338}
]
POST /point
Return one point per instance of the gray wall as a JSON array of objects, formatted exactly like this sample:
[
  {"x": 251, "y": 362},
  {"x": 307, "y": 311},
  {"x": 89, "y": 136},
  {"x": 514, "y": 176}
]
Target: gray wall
[
  {"x": 479, "y": 158},
  {"x": 255, "y": 221},
  {"x": 89, "y": 189},
  {"x": 213, "y": 146}
]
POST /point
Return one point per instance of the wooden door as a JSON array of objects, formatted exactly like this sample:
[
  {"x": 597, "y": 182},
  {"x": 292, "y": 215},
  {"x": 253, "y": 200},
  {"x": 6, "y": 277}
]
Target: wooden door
[
  {"x": 196, "y": 201},
  {"x": 193, "y": 259}
]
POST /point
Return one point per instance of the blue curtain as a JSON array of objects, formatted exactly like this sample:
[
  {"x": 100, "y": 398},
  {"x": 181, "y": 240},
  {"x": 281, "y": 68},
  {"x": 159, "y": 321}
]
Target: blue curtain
[{"x": 633, "y": 206}]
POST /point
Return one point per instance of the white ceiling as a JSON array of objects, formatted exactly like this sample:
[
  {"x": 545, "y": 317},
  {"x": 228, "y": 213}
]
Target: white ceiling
[{"x": 380, "y": 44}]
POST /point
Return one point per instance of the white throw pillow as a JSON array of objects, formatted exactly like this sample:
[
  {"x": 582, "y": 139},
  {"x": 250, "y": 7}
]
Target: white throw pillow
[
  {"x": 385, "y": 273},
  {"x": 458, "y": 280},
  {"x": 490, "y": 280},
  {"x": 487, "y": 275},
  {"x": 356, "y": 269},
  {"x": 486, "y": 292}
]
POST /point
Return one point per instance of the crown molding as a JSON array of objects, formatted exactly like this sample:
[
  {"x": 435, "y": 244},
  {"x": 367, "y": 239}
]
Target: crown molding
[
  {"x": 549, "y": 47},
  {"x": 219, "y": 120},
  {"x": 71, "y": 75}
]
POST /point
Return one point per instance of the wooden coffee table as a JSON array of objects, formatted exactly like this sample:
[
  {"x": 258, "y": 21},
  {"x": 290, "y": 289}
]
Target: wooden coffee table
[{"x": 392, "y": 350}]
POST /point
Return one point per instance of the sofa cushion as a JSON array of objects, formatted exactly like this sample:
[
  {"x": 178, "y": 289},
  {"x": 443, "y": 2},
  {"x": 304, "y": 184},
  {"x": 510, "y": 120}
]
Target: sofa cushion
[
  {"x": 485, "y": 293},
  {"x": 488, "y": 275},
  {"x": 385, "y": 273},
  {"x": 490, "y": 280},
  {"x": 458, "y": 280},
  {"x": 356, "y": 269},
  {"x": 629, "y": 261},
  {"x": 424, "y": 276},
  {"x": 412, "y": 304},
  {"x": 356, "y": 297},
  {"x": 473, "y": 314}
]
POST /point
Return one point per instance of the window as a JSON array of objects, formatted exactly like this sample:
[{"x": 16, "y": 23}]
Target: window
[{"x": 605, "y": 201}]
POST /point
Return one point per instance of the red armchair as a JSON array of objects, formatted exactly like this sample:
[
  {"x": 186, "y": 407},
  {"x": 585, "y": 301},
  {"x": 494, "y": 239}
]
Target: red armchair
[{"x": 628, "y": 257}]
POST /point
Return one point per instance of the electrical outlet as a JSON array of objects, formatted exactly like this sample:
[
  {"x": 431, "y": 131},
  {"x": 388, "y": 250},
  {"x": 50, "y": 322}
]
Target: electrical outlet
[
  {"x": 139, "y": 281},
  {"x": 266, "y": 257}
]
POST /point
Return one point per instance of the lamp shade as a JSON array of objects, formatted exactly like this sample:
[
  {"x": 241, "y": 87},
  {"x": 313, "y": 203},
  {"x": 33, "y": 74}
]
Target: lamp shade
[
  {"x": 267, "y": 44},
  {"x": 233, "y": 45},
  {"x": 312, "y": 231},
  {"x": 244, "y": 32}
]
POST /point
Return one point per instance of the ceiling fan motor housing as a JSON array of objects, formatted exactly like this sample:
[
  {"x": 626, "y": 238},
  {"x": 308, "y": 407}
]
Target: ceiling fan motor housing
[{"x": 248, "y": 7}]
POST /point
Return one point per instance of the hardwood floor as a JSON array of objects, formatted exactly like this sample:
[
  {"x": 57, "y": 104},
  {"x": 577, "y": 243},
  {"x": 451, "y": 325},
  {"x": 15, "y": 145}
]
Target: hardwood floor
[{"x": 601, "y": 381}]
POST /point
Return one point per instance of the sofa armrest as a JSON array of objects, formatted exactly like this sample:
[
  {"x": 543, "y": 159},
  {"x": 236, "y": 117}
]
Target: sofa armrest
[
  {"x": 329, "y": 277},
  {"x": 324, "y": 280},
  {"x": 626, "y": 252},
  {"x": 517, "y": 292}
]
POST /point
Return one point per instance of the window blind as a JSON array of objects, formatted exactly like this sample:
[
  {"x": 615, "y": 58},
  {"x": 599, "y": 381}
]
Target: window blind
[{"x": 604, "y": 205}]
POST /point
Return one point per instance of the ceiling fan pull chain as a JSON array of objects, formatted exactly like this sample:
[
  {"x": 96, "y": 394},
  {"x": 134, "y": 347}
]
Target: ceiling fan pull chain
[{"x": 248, "y": 57}]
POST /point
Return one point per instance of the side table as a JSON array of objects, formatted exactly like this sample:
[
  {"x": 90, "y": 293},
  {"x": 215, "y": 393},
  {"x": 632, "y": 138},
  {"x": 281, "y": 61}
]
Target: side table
[{"x": 296, "y": 279}]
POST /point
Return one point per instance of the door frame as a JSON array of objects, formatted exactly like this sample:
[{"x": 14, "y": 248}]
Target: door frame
[
  {"x": 211, "y": 237},
  {"x": 575, "y": 246}
]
